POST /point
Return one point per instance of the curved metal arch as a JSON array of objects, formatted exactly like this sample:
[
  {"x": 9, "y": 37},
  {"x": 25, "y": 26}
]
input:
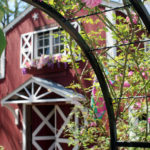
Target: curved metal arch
[
  {"x": 142, "y": 11},
  {"x": 88, "y": 53}
]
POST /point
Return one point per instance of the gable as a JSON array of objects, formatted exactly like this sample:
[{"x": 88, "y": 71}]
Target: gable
[{"x": 38, "y": 90}]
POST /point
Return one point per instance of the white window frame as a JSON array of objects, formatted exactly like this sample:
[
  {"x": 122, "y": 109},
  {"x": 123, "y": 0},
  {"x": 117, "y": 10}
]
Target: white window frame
[
  {"x": 50, "y": 30},
  {"x": 2, "y": 65}
]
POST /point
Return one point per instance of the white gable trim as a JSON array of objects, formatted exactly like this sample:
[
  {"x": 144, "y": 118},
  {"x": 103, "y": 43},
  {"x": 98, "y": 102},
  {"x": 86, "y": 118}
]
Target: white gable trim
[
  {"x": 33, "y": 96},
  {"x": 19, "y": 18}
]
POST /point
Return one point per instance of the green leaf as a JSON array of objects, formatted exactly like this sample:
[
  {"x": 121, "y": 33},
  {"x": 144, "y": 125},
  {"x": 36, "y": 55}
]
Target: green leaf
[
  {"x": 51, "y": 2},
  {"x": 2, "y": 41},
  {"x": 1, "y": 14}
]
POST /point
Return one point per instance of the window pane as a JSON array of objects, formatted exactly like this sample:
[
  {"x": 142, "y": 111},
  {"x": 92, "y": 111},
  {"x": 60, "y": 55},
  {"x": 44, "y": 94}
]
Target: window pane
[
  {"x": 40, "y": 36},
  {"x": 46, "y": 51},
  {"x": 61, "y": 48},
  {"x": 55, "y": 49},
  {"x": 40, "y": 52},
  {"x": 46, "y": 42},
  {"x": 40, "y": 43},
  {"x": 56, "y": 40}
]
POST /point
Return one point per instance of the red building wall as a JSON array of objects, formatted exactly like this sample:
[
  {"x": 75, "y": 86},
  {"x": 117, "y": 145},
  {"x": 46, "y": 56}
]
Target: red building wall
[{"x": 10, "y": 134}]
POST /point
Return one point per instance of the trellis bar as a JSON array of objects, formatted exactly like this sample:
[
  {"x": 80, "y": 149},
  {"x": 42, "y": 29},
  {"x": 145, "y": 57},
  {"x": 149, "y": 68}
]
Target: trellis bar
[
  {"x": 97, "y": 13},
  {"x": 133, "y": 144},
  {"x": 124, "y": 44}
]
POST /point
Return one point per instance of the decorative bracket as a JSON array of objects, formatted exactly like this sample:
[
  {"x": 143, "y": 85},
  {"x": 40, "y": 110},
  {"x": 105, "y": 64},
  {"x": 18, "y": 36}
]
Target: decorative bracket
[{"x": 15, "y": 112}]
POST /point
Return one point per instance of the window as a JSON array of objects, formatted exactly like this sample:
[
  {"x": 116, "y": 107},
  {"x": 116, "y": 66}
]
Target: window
[
  {"x": 2, "y": 65},
  {"x": 43, "y": 42},
  {"x": 49, "y": 43}
]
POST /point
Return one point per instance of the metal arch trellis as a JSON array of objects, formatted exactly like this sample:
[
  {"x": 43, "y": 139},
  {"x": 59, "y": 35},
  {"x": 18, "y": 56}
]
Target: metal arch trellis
[{"x": 88, "y": 53}]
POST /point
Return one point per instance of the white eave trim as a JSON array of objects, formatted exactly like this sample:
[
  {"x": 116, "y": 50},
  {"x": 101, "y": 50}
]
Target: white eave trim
[
  {"x": 107, "y": 3},
  {"x": 20, "y": 17}
]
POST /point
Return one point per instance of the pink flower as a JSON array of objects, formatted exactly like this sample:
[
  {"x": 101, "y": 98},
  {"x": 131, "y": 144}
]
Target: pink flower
[
  {"x": 138, "y": 105},
  {"x": 127, "y": 19},
  {"x": 121, "y": 75},
  {"x": 111, "y": 83},
  {"x": 82, "y": 131},
  {"x": 143, "y": 74},
  {"x": 148, "y": 120},
  {"x": 92, "y": 3},
  {"x": 116, "y": 77},
  {"x": 39, "y": 66},
  {"x": 94, "y": 90},
  {"x": 126, "y": 84},
  {"x": 125, "y": 42},
  {"x": 24, "y": 71},
  {"x": 27, "y": 64},
  {"x": 59, "y": 58},
  {"x": 130, "y": 73},
  {"x": 93, "y": 124},
  {"x": 135, "y": 19},
  {"x": 34, "y": 63}
]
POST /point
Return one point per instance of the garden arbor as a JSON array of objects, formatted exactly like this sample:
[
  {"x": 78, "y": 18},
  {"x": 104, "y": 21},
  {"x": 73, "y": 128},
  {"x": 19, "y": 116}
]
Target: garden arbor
[{"x": 66, "y": 25}]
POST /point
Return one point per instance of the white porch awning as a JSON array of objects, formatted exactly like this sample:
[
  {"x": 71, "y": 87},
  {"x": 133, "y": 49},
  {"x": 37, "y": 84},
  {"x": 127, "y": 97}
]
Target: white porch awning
[{"x": 38, "y": 90}]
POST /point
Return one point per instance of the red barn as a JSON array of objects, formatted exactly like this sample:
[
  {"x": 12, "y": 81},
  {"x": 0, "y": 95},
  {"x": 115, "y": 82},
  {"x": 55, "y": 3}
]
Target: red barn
[{"x": 37, "y": 104}]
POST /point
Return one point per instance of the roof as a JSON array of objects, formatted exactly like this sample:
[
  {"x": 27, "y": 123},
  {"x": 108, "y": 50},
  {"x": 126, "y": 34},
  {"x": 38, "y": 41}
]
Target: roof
[
  {"x": 30, "y": 8},
  {"x": 38, "y": 90},
  {"x": 18, "y": 19}
]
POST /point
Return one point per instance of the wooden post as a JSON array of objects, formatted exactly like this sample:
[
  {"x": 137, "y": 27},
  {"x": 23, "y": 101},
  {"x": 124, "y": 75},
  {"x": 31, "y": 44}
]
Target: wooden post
[{"x": 27, "y": 127}]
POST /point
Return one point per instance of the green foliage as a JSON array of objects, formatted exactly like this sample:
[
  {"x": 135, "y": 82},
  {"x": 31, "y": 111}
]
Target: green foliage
[
  {"x": 1, "y": 148},
  {"x": 90, "y": 136},
  {"x": 2, "y": 37},
  {"x": 2, "y": 41}
]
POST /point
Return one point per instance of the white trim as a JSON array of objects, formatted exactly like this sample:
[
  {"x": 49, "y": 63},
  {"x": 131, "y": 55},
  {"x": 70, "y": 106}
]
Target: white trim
[
  {"x": 2, "y": 65},
  {"x": 109, "y": 37},
  {"x": 68, "y": 100},
  {"x": 57, "y": 139},
  {"x": 24, "y": 142},
  {"x": 109, "y": 4}
]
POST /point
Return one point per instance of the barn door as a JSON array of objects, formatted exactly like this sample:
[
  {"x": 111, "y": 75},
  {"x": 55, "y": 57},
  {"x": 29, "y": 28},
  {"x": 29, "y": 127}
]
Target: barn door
[{"x": 48, "y": 124}]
